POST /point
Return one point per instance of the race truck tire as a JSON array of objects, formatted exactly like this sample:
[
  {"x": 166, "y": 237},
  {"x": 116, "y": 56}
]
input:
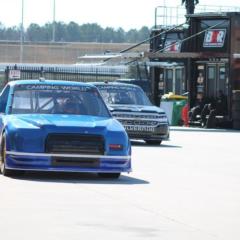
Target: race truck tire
[
  {"x": 153, "y": 142},
  {"x": 4, "y": 171},
  {"x": 109, "y": 175}
]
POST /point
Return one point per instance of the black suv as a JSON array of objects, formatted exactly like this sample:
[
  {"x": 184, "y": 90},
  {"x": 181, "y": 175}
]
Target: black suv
[{"x": 129, "y": 104}]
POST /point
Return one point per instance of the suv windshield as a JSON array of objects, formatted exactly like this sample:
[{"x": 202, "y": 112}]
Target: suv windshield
[
  {"x": 58, "y": 99},
  {"x": 122, "y": 94}
]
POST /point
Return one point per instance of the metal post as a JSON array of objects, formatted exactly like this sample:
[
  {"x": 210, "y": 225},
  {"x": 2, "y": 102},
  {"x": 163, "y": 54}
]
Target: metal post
[
  {"x": 6, "y": 75},
  {"x": 155, "y": 17},
  {"x": 22, "y": 34}
]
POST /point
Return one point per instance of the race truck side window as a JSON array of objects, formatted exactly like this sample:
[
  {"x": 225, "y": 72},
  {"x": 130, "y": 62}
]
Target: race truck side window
[{"x": 3, "y": 99}]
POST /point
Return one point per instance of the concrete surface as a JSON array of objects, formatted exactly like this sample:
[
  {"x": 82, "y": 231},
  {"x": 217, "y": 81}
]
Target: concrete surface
[{"x": 187, "y": 188}]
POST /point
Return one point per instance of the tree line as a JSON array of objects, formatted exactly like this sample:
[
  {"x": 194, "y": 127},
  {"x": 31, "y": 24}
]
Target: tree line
[{"x": 73, "y": 32}]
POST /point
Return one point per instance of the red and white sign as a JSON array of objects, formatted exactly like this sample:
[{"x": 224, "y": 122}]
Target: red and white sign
[
  {"x": 172, "y": 46},
  {"x": 14, "y": 74},
  {"x": 214, "y": 38}
]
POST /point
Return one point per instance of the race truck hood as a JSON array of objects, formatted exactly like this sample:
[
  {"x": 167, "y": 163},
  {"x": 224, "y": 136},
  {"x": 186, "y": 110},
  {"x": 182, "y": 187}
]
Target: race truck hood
[
  {"x": 135, "y": 108},
  {"x": 28, "y": 132},
  {"x": 60, "y": 120}
]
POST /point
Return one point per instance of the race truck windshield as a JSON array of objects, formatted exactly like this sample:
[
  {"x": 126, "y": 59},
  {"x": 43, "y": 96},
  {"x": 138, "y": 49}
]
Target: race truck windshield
[
  {"x": 129, "y": 95},
  {"x": 58, "y": 99}
]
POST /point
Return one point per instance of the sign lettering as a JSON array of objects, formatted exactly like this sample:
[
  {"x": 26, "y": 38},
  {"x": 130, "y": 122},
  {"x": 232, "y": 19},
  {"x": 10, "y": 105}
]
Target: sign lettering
[
  {"x": 14, "y": 74},
  {"x": 172, "y": 46},
  {"x": 214, "y": 38}
]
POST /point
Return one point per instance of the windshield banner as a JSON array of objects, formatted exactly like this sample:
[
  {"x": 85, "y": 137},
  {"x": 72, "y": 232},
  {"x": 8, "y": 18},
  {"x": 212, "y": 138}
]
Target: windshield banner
[
  {"x": 111, "y": 87},
  {"x": 52, "y": 87}
]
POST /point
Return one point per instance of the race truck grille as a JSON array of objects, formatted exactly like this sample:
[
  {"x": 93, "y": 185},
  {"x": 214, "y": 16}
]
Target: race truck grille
[
  {"x": 138, "y": 122},
  {"x": 140, "y": 119},
  {"x": 142, "y": 116},
  {"x": 75, "y": 143}
]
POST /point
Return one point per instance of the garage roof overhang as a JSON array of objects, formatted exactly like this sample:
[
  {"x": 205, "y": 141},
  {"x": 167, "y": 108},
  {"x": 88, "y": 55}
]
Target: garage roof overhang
[{"x": 185, "y": 55}]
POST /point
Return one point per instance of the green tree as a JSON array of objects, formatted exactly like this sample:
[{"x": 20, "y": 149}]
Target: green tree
[
  {"x": 2, "y": 30},
  {"x": 12, "y": 33},
  {"x": 47, "y": 32},
  {"x": 60, "y": 34},
  {"x": 108, "y": 35},
  {"x": 132, "y": 36},
  {"x": 34, "y": 33},
  {"x": 72, "y": 32},
  {"x": 90, "y": 32},
  {"x": 143, "y": 33},
  {"x": 119, "y": 36}
]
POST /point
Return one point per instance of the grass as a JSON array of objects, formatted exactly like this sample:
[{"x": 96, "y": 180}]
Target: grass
[{"x": 58, "y": 53}]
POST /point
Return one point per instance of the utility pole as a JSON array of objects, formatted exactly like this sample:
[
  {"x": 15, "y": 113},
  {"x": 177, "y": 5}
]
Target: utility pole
[
  {"x": 54, "y": 22},
  {"x": 22, "y": 34}
]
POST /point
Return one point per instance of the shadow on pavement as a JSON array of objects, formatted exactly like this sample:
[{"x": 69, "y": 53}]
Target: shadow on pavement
[
  {"x": 77, "y": 178},
  {"x": 162, "y": 145},
  {"x": 204, "y": 130}
]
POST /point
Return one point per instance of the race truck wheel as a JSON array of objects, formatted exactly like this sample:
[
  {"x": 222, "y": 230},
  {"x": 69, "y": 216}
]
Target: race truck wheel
[
  {"x": 4, "y": 171},
  {"x": 153, "y": 142},
  {"x": 109, "y": 175}
]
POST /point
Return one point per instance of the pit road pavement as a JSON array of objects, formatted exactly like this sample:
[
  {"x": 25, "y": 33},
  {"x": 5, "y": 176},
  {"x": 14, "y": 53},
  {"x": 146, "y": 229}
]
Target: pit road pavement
[{"x": 186, "y": 189}]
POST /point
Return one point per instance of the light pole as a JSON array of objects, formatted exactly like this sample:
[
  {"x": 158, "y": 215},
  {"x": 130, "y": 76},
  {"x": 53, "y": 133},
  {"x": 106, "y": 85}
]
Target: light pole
[
  {"x": 22, "y": 34},
  {"x": 54, "y": 21}
]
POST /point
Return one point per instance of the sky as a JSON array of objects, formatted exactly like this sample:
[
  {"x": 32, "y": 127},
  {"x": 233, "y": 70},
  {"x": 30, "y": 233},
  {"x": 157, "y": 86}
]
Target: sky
[{"x": 127, "y": 14}]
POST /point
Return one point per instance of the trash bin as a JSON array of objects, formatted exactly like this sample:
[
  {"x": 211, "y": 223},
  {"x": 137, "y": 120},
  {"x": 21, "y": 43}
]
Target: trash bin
[{"x": 173, "y": 104}]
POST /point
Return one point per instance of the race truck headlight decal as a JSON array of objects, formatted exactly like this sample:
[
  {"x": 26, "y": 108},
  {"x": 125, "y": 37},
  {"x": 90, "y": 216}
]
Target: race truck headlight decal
[{"x": 115, "y": 146}]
